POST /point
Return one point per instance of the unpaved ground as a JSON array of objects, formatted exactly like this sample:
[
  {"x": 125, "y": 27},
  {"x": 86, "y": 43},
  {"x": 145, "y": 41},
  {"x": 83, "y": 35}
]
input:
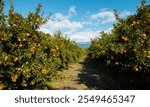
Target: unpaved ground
[
  {"x": 90, "y": 75},
  {"x": 85, "y": 75},
  {"x": 71, "y": 79}
]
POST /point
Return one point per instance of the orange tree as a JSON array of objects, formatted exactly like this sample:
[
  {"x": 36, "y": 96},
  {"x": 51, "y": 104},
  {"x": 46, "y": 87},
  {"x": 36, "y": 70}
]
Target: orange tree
[
  {"x": 128, "y": 45},
  {"x": 29, "y": 57}
]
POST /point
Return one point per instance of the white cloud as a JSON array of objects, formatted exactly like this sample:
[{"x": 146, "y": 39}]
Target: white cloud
[
  {"x": 104, "y": 16},
  {"x": 59, "y": 16},
  {"x": 72, "y": 10},
  {"x": 107, "y": 16},
  {"x": 66, "y": 24},
  {"x": 60, "y": 22},
  {"x": 85, "y": 36},
  {"x": 82, "y": 36}
]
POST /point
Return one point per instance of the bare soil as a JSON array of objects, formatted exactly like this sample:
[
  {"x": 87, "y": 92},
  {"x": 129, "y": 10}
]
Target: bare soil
[{"x": 90, "y": 75}]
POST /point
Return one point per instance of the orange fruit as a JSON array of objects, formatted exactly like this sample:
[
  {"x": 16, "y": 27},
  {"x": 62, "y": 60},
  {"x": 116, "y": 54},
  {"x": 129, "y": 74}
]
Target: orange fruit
[
  {"x": 26, "y": 62},
  {"x": 5, "y": 58},
  {"x": 57, "y": 48},
  {"x": 19, "y": 39},
  {"x": 37, "y": 20},
  {"x": 16, "y": 59},
  {"x": 18, "y": 69},
  {"x": 14, "y": 25},
  {"x": 1, "y": 86},
  {"x": 125, "y": 38},
  {"x": 20, "y": 45},
  {"x": 27, "y": 34},
  {"x": 53, "y": 50},
  {"x": 134, "y": 22},
  {"x": 135, "y": 69},
  {"x": 134, "y": 50},
  {"x": 14, "y": 78},
  {"x": 138, "y": 22},
  {"x": 26, "y": 70},
  {"x": 24, "y": 39},
  {"x": 144, "y": 35}
]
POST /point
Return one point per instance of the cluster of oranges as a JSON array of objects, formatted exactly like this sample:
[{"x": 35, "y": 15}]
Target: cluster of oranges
[
  {"x": 134, "y": 23},
  {"x": 122, "y": 50},
  {"x": 16, "y": 59},
  {"x": 7, "y": 57},
  {"x": 125, "y": 38},
  {"x": 20, "y": 44},
  {"x": 32, "y": 49},
  {"x": 45, "y": 71},
  {"x": 14, "y": 78},
  {"x": 55, "y": 51}
]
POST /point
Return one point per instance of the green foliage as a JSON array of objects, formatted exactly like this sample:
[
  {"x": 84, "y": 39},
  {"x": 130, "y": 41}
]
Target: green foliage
[
  {"x": 128, "y": 45},
  {"x": 29, "y": 57}
]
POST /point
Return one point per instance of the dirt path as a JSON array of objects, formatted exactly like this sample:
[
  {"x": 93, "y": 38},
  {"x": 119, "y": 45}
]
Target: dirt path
[
  {"x": 85, "y": 75},
  {"x": 71, "y": 78},
  {"x": 90, "y": 75}
]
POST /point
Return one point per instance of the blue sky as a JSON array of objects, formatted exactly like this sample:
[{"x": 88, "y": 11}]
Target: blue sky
[{"x": 80, "y": 20}]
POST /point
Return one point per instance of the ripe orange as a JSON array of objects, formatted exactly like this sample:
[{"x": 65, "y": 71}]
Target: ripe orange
[
  {"x": 5, "y": 58},
  {"x": 134, "y": 22},
  {"x": 134, "y": 50},
  {"x": 20, "y": 45},
  {"x": 57, "y": 48},
  {"x": 16, "y": 59},
  {"x": 24, "y": 39},
  {"x": 53, "y": 50},
  {"x": 125, "y": 38},
  {"x": 14, "y": 25},
  {"x": 138, "y": 22},
  {"x": 18, "y": 69},
  {"x": 135, "y": 69},
  {"x": 37, "y": 20},
  {"x": 26, "y": 62},
  {"x": 1, "y": 86},
  {"x": 27, "y": 34},
  {"x": 14, "y": 78},
  {"x": 26, "y": 70},
  {"x": 19, "y": 39},
  {"x": 144, "y": 35}
]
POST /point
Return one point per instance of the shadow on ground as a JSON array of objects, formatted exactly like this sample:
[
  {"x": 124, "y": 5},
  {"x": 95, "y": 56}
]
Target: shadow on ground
[{"x": 99, "y": 77}]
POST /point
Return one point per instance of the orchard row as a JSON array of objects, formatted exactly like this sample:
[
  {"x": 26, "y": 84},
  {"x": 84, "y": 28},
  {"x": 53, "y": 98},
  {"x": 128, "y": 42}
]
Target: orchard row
[
  {"x": 128, "y": 44},
  {"x": 29, "y": 57}
]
